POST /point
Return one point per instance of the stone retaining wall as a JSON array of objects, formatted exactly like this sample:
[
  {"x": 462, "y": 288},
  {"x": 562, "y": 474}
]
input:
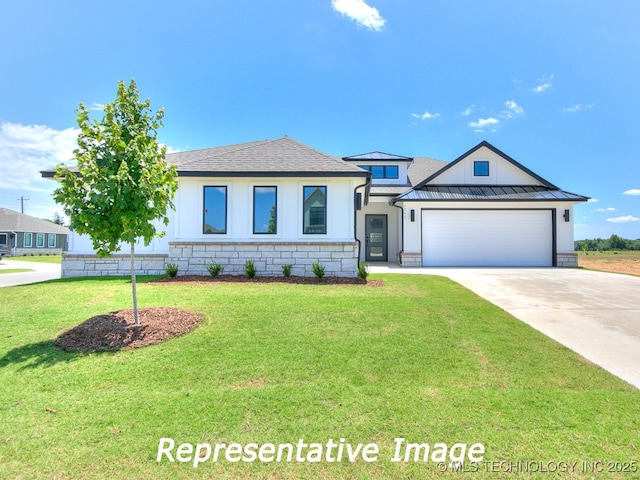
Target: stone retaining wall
[{"x": 74, "y": 265}]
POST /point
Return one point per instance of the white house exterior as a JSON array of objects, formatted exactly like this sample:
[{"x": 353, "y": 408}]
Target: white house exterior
[{"x": 281, "y": 202}]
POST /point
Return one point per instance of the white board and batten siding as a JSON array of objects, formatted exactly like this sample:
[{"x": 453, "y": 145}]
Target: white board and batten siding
[{"x": 487, "y": 238}]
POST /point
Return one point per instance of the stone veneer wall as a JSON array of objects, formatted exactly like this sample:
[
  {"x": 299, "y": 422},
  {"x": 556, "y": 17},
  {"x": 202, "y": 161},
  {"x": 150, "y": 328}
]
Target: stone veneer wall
[
  {"x": 410, "y": 259},
  {"x": 339, "y": 259},
  {"x": 29, "y": 251},
  {"x": 567, "y": 259}
]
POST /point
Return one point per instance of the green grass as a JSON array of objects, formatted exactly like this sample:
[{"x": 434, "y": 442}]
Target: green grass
[
  {"x": 38, "y": 259},
  {"x": 420, "y": 358},
  {"x": 15, "y": 270}
]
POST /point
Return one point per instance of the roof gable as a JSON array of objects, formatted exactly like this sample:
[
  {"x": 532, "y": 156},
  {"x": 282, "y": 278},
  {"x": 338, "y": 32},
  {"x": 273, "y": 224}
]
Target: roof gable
[{"x": 503, "y": 170}]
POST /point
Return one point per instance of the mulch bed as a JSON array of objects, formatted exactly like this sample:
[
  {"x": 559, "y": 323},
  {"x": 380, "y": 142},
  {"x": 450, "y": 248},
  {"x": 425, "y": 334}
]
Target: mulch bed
[
  {"x": 265, "y": 279},
  {"x": 117, "y": 330}
]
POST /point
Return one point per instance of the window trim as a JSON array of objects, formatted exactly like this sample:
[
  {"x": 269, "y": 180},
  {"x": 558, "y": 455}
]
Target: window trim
[
  {"x": 24, "y": 239},
  {"x": 275, "y": 204},
  {"x": 49, "y": 238},
  {"x": 204, "y": 204},
  {"x": 479, "y": 164},
  {"x": 304, "y": 210},
  {"x": 38, "y": 237}
]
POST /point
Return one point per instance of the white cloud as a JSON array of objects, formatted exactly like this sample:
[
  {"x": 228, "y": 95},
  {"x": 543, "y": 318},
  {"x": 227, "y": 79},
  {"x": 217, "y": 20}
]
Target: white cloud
[
  {"x": 467, "y": 111},
  {"x": 593, "y": 200},
  {"x": 98, "y": 107},
  {"x": 484, "y": 123},
  {"x": 27, "y": 149},
  {"x": 361, "y": 13},
  {"x": 634, "y": 192},
  {"x": 609, "y": 209},
  {"x": 425, "y": 116},
  {"x": 545, "y": 84},
  {"x": 626, "y": 219},
  {"x": 578, "y": 107},
  {"x": 512, "y": 110}
]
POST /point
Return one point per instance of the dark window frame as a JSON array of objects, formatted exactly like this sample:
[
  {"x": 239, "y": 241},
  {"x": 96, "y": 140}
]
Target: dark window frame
[
  {"x": 480, "y": 167},
  {"x": 386, "y": 169},
  {"x": 307, "y": 225},
  {"x": 275, "y": 207},
  {"x": 204, "y": 208}
]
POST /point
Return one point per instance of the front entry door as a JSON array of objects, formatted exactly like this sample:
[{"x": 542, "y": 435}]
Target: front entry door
[{"x": 376, "y": 241}]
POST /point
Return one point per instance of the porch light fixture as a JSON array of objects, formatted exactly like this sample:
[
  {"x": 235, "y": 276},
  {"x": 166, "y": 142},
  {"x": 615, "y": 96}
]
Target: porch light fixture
[
  {"x": 566, "y": 215},
  {"x": 413, "y": 215}
]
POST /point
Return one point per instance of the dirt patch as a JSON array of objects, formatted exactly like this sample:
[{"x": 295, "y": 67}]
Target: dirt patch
[
  {"x": 265, "y": 279},
  {"x": 628, "y": 263},
  {"x": 117, "y": 330}
]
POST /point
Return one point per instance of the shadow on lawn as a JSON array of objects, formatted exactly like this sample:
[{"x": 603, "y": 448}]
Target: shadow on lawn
[{"x": 35, "y": 355}]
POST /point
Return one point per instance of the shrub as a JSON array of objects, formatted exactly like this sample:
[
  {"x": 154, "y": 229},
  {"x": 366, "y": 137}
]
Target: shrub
[
  {"x": 286, "y": 270},
  {"x": 171, "y": 270},
  {"x": 363, "y": 270},
  {"x": 318, "y": 270},
  {"x": 215, "y": 269},
  {"x": 250, "y": 269}
]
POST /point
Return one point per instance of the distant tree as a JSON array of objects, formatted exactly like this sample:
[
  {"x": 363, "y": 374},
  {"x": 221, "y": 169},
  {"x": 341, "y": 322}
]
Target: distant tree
[
  {"x": 617, "y": 243},
  {"x": 58, "y": 219},
  {"x": 122, "y": 183}
]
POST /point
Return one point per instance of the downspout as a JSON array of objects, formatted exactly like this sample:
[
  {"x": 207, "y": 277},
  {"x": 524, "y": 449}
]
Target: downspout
[
  {"x": 393, "y": 203},
  {"x": 355, "y": 211}
]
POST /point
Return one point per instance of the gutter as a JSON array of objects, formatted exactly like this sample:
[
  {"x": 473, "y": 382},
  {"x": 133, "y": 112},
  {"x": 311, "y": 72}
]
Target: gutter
[{"x": 367, "y": 186}]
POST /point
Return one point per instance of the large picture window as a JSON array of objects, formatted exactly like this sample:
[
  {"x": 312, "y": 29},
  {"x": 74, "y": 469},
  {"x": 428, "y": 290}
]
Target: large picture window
[
  {"x": 215, "y": 210},
  {"x": 265, "y": 210},
  {"x": 315, "y": 210}
]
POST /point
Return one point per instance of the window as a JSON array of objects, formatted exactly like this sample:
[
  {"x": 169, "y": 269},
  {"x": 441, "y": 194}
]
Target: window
[
  {"x": 39, "y": 239},
  {"x": 481, "y": 168},
  {"x": 265, "y": 210},
  {"x": 26, "y": 241},
  {"x": 382, "y": 171},
  {"x": 52, "y": 241},
  {"x": 215, "y": 210},
  {"x": 315, "y": 210},
  {"x": 3, "y": 239}
]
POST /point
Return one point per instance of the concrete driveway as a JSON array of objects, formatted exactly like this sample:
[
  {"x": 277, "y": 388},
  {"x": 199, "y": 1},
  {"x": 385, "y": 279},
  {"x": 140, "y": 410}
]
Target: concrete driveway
[
  {"x": 595, "y": 314},
  {"x": 40, "y": 272}
]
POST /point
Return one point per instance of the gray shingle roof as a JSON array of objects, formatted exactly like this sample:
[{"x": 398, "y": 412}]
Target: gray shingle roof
[
  {"x": 11, "y": 221},
  {"x": 281, "y": 157}
]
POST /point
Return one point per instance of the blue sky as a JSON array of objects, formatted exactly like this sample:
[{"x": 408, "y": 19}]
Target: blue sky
[{"x": 552, "y": 83}]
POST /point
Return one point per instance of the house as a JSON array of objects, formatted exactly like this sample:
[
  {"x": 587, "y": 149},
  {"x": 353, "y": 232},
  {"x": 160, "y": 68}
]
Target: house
[
  {"x": 26, "y": 235},
  {"x": 280, "y": 202}
]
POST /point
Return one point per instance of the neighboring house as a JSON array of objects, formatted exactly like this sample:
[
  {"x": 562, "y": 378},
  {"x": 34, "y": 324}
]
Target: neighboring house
[
  {"x": 26, "y": 235},
  {"x": 280, "y": 202}
]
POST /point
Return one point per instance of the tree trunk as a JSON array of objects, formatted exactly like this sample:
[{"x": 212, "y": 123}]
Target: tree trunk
[{"x": 133, "y": 284}]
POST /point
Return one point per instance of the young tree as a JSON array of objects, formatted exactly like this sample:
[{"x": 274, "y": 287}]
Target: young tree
[{"x": 122, "y": 183}]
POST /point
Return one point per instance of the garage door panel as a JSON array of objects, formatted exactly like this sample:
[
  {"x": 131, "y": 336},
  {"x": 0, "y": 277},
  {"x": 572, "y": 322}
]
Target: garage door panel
[{"x": 487, "y": 238}]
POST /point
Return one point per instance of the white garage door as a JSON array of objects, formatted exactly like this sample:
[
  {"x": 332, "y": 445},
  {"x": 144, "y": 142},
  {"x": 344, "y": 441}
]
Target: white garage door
[{"x": 487, "y": 238}]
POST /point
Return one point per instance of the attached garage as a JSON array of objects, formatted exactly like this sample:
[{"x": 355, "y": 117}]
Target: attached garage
[{"x": 488, "y": 238}]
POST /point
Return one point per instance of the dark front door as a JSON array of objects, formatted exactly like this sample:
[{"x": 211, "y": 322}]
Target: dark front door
[{"x": 376, "y": 241}]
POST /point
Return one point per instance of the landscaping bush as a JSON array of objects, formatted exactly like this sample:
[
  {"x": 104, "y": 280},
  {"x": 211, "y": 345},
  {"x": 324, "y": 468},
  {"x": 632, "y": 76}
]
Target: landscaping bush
[
  {"x": 215, "y": 269},
  {"x": 363, "y": 270},
  {"x": 171, "y": 270},
  {"x": 250, "y": 269},
  {"x": 286, "y": 270},
  {"x": 318, "y": 270}
]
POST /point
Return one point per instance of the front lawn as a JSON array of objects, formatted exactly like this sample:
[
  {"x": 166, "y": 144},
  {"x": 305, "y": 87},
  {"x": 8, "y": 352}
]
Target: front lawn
[
  {"x": 38, "y": 258},
  {"x": 419, "y": 358}
]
